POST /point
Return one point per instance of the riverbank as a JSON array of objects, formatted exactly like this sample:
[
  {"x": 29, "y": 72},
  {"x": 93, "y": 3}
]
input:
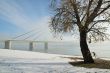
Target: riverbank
[
  {"x": 14, "y": 61},
  {"x": 99, "y": 63}
]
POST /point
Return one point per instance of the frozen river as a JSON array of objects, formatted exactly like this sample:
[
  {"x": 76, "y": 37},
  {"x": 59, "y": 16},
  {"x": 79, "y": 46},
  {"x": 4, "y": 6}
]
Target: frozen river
[{"x": 102, "y": 49}]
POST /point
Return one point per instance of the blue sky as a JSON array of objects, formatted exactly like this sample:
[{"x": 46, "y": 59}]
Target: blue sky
[{"x": 19, "y": 16}]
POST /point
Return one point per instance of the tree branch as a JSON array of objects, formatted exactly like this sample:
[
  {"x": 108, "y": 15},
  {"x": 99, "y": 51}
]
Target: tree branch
[
  {"x": 94, "y": 14},
  {"x": 95, "y": 22},
  {"x": 76, "y": 13},
  {"x": 90, "y": 3},
  {"x": 103, "y": 10}
]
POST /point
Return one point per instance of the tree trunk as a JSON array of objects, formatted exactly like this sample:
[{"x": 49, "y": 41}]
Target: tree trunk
[{"x": 84, "y": 48}]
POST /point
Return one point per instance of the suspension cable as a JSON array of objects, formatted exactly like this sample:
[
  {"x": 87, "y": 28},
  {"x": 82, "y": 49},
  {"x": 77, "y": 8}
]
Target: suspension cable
[
  {"x": 31, "y": 35},
  {"x": 23, "y": 34}
]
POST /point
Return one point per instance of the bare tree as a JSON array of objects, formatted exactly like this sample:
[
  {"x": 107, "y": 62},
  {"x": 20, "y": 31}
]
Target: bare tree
[{"x": 89, "y": 17}]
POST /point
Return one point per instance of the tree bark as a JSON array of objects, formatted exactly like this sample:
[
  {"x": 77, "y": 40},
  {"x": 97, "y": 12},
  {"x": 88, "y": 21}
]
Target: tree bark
[{"x": 84, "y": 48}]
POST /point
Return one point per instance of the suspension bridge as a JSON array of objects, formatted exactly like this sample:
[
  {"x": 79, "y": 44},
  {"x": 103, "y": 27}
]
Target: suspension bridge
[{"x": 25, "y": 38}]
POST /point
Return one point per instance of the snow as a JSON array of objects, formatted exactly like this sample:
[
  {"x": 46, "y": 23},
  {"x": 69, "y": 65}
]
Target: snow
[
  {"x": 106, "y": 59},
  {"x": 14, "y": 61}
]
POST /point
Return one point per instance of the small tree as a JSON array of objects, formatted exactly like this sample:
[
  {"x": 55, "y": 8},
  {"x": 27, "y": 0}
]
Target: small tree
[{"x": 89, "y": 17}]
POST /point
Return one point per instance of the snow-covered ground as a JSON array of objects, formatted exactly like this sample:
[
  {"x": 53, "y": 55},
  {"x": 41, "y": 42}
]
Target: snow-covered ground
[{"x": 14, "y": 61}]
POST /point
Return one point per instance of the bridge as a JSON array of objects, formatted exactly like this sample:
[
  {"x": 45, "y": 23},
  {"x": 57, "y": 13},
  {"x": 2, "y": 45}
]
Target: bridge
[
  {"x": 9, "y": 43},
  {"x": 31, "y": 43}
]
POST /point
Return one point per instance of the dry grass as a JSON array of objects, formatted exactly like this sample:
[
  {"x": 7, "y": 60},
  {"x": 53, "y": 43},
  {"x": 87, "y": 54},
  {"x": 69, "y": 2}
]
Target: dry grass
[{"x": 99, "y": 63}]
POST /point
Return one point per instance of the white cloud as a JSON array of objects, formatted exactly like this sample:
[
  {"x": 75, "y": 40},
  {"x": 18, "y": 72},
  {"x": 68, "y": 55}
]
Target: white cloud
[{"x": 13, "y": 13}]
